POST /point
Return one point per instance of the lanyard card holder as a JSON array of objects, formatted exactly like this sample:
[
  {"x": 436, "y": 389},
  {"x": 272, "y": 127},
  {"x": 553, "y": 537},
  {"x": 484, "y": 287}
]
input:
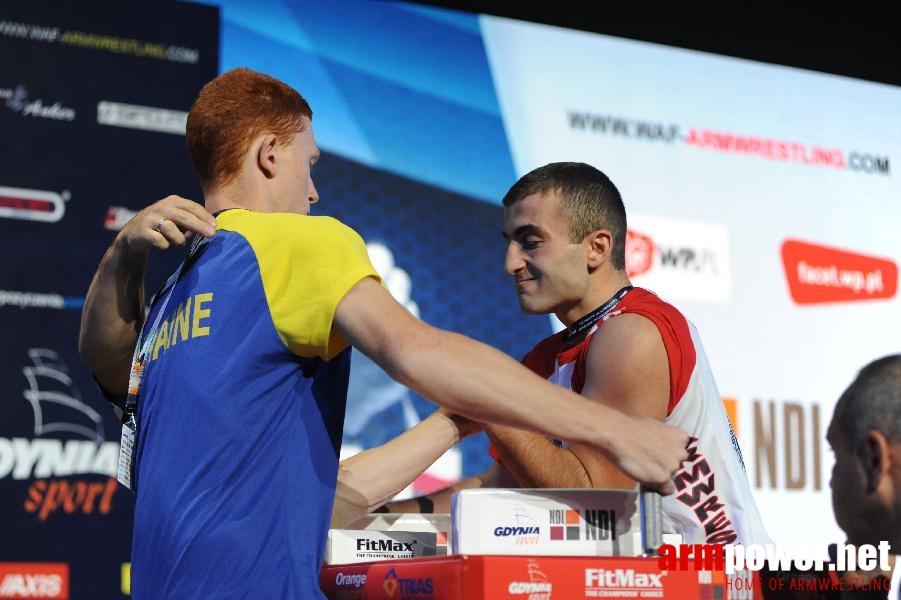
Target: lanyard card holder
[
  {"x": 125, "y": 474},
  {"x": 128, "y": 442}
]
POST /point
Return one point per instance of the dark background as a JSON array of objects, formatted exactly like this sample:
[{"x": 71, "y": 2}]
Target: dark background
[
  {"x": 55, "y": 427},
  {"x": 852, "y": 39}
]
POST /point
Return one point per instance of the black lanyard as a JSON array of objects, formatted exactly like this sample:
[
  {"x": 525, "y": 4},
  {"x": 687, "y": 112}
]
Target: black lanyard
[{"x": 582, "y": 324}]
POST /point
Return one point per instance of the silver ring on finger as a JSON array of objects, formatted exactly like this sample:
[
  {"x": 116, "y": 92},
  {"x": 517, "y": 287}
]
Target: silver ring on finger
[{"x": 159, "y": 224}]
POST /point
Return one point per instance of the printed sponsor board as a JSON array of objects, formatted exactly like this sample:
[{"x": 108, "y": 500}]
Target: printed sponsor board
[
  {"x": 47, "y": 581},
  {"x": 818, "y": 274},
  {"x": 147, "y": 118},
  {"x": 32, "y": 205},
  {"x": 679, "y": 259},
  {"x": 58, "y": 436},
  {"x": 546, "y": 522},
  {"x": 740, "y": 144},
  {"x": 466, "y": 577}
]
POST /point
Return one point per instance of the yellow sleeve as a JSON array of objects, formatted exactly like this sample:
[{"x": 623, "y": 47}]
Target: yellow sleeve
[{"x": 307, "y": 265}]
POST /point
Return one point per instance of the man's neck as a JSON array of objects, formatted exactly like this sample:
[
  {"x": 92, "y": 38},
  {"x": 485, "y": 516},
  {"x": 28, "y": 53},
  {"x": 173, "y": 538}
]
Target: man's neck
[
  {"x": 597, "y": 294},
  {"x": 235, "y": 194}
]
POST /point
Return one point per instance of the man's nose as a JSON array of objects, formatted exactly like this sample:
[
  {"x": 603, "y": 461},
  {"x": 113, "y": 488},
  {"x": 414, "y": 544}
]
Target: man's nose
[{"x": 512, "y": 260}]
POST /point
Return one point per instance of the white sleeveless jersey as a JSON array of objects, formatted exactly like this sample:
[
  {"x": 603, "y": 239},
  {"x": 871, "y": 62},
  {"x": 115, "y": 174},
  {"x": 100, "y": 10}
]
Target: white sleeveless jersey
[{"x": 713, "y": 502}]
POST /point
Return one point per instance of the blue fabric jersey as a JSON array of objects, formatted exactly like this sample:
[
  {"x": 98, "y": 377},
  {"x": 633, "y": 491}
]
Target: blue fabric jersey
[{"x": 241, "y": 412}]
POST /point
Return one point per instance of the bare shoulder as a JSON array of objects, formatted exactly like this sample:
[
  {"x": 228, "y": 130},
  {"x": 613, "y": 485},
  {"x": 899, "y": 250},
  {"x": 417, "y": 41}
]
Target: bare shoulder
[
  {"x": 628, "y": 367},
  {"x": 629, "y": 332}
]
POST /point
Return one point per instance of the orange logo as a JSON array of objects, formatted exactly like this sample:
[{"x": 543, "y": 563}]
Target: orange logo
[
  {"x": 34, "y": 580},
  {"x": 819, "y": 274}
]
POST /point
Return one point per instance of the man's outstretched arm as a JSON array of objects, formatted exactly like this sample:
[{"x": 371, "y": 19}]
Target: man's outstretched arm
[
  {"x": 484, "y": 384},
  {"x": 440, "y": 501},
  {"x": 366, "y": 480},
  {"x": 114, "y": 305}
]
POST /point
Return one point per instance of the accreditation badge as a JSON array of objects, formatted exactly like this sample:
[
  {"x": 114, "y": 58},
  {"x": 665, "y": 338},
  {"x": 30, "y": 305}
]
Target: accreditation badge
[{"x": 126, "y": 472}]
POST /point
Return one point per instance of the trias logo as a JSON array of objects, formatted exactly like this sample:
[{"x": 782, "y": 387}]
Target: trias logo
[
  {"x": 32, "y": 205},
  {"x": 407, "y": 587},
  {"x": 820, "y": 274},
  {"x": 623, "y": 579},
  {"x": 34, "y": 580}
]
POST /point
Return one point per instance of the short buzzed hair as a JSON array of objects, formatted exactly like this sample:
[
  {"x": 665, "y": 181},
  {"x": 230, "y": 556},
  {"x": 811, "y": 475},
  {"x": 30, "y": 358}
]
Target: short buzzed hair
[
  {"x": 589, "y": 199},
  {"x": 873, "y": 401}
]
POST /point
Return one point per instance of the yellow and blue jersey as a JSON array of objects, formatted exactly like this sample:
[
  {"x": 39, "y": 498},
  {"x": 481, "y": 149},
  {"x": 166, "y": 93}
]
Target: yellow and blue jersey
[{"x": 241, "y": 411}]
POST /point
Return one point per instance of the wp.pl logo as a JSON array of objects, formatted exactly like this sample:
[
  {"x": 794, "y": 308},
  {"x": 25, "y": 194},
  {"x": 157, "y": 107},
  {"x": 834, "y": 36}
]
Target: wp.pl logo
[{"x": 820, "y": 274}]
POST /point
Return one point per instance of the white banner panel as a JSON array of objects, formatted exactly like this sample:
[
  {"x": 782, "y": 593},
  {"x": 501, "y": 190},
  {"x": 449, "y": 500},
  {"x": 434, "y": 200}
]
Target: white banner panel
[{"x": 761, "y": 201}]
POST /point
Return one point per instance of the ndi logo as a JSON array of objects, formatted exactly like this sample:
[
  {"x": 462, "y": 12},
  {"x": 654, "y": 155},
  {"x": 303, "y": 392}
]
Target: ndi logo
[{"x": 590, "y": 524}]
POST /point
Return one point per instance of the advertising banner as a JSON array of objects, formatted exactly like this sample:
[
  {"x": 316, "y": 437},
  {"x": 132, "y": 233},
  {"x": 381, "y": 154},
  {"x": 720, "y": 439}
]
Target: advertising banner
[{"x": 93, "y": 101}]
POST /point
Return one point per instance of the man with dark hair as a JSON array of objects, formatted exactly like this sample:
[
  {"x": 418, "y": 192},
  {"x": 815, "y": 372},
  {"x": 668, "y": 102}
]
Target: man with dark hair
[
  {"x": 623, "y": 347},
  {"x": 233, "y": 385},
  {"x": 865, "y": 435}
]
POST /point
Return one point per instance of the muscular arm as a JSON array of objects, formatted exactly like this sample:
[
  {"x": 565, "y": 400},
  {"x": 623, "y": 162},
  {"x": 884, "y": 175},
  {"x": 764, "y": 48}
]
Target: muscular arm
[
  {"x": 484, "y": 384},
  {"x": 114, "y": 305},
  {"x": 494, "y": 476},
  {"x": 535, "y": 462},
  {"x": 366, "y": 480},
  {"x": 112, "y": 316},
  {"x": 627, "y": 368}
]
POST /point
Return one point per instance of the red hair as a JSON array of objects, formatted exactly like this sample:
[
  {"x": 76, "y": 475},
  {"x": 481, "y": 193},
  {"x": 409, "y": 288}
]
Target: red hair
[{"x": 230, "y": 112}]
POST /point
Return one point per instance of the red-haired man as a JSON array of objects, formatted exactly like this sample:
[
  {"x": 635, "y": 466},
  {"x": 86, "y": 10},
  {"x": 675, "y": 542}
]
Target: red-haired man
[{"x": 236, "y": 379}]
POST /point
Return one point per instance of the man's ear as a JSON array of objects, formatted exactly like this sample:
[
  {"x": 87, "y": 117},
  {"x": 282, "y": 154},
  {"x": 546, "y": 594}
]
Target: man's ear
[
  {"x": 267, "y": 155},
  {"x": 600, "y": 247},
  {"x": 876, "y": 459}
]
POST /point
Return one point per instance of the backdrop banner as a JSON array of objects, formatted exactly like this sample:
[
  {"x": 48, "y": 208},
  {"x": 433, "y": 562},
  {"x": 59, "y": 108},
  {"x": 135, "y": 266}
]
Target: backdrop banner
[{"x": 93, "y": 101}]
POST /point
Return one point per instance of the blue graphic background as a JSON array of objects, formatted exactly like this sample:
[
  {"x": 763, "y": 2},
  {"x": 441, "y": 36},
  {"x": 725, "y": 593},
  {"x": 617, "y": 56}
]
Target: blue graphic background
[{"x": 400, "y": 87}]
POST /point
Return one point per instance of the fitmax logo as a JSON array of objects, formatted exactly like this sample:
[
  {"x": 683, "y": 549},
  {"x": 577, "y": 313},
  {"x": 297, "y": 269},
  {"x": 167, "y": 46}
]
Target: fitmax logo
[
  {"x": 369, "y": 545},
  {"x": 622, "y": 578}
]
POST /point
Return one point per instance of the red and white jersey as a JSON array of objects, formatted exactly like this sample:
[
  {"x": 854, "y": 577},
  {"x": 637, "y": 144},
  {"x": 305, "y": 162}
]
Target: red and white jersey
[{"x": 713, "y": 502}]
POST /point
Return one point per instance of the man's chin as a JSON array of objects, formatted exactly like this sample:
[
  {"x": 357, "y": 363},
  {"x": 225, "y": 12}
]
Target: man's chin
[{"x": 530, "y": 308}]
